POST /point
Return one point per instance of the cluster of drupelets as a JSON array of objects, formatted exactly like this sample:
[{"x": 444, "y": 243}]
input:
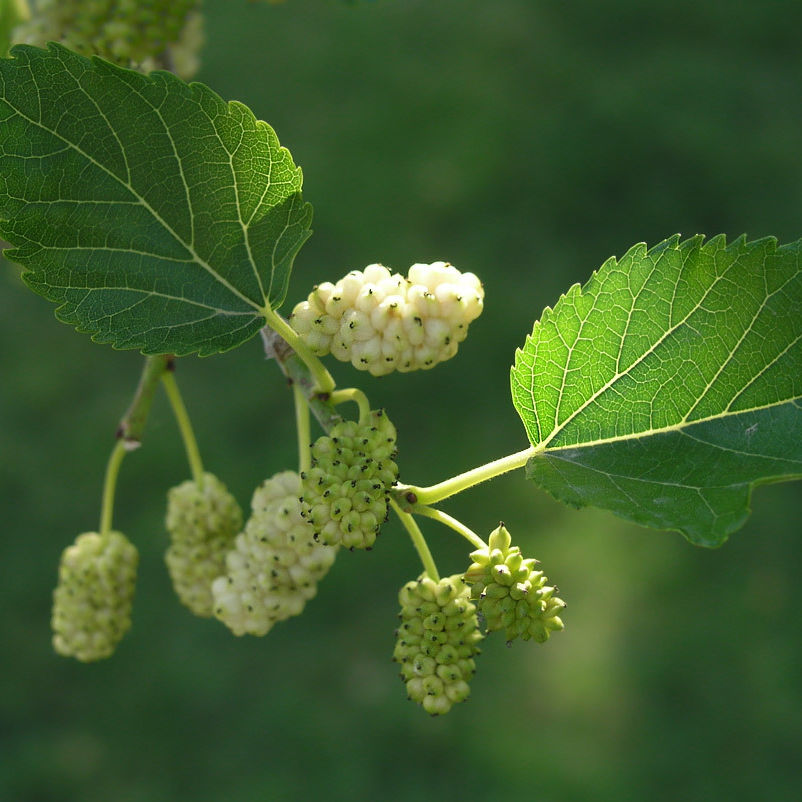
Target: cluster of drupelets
[
  {"x": 253, "y": 576},
  {"x": 141, "y": 34},
  {"x": 381, "y": 321}
]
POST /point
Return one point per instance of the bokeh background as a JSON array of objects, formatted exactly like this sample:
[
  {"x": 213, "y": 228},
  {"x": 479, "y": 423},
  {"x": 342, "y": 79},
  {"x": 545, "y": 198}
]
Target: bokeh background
[{"x": 527, "y": 141}]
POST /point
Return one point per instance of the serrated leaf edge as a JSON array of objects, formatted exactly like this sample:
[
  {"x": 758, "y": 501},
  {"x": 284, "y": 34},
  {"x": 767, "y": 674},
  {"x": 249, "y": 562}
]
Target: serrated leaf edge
[{"x": 697, "y": 242}]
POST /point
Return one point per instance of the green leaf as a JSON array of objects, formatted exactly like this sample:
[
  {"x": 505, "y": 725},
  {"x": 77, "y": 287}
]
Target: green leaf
[
  {"x": 156, "y": 215},
  {"x": 670, "y": 385}
]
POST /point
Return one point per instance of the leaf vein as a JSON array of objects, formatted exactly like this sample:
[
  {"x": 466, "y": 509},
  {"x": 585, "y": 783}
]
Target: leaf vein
[{"x": 196, "y": 257}]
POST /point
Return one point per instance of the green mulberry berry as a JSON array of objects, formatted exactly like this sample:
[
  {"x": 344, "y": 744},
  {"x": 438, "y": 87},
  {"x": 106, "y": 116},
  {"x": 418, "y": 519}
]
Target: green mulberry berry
[
  {"x": 438, "y": 638},
  {"x": 275, "y": 564},
  {"x": 92, "y": 601},
  {"x": 381, "y": 321},
  {"x": 345, "y": 492},
  {"x": 512, "y": 594},
  {"x": 203, "y": 522}
]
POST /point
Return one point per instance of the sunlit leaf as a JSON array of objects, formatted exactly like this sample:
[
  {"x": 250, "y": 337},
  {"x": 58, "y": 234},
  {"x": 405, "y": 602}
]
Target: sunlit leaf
[{"x": 670, "y": 385}]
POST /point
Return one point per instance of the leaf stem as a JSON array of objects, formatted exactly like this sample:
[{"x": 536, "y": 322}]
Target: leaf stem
[
  {"x": 356, "y": 395},
  {"x": 323, "y": 380},
  {"x": 448, "y": 520},
  {"x": 431, "y": 495},
  {"x": 418, "y": 541},
  {"x": 184, "y": 426},
  {"x": 110, "y": 484},
  {"x": 304, "y": 430}
]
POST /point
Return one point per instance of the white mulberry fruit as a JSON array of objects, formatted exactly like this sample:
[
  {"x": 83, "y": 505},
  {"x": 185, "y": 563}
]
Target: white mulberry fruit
[
  {"x": 92, "y": 601},
  {"x": 203, "y": 522},
  {"x": 345, "y": 492},
  {"x": 437, "y": 641},
  {"x": 381, "y": 322},
  {"x": 512, "y": 595},
  {"x": 275, "y": 564}
]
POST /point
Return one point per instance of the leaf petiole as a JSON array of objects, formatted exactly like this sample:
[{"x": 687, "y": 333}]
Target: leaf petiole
[{"x": 425, "y": 496}]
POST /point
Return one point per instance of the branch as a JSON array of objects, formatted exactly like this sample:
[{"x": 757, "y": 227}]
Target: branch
[{"x": 299, "y": 376}]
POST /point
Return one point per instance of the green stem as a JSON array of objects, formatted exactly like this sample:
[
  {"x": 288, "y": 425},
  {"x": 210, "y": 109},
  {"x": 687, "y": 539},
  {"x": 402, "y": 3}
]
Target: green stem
[
  {"x": 457, "y": 526},
  {"x": 298, "y": 375},
  {"x": 357, "y": 396},
  {"x": 185, "y": 426},
  {"x": 418, "y": 541},
  {"x": 129, "y": 432},
  {"x": 431, "y": 495},
  {"x": 304, "y": 430},
  {"x": 110, "y": 484},
  {"x": 132, "y": 425},
  {"x": 323, "y": 380}
]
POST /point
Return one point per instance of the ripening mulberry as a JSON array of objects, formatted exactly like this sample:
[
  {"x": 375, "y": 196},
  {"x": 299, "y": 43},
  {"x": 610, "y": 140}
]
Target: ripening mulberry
[
  {"x": 345, "y": 493},
  {"x": 92, "y": 601},
  {"x": 203, "y": 522},
  {"x": 512, "y": 595},
  {"x": 381, "y": 322},
  {"x": 275, "y": 564},
  {"x": 438, "y": 638},
  {"x": 146, "y": 34}
]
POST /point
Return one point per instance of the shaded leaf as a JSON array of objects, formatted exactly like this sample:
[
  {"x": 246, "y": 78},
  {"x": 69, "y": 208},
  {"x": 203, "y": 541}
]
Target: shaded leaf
[{"x": 156, "y": 215}]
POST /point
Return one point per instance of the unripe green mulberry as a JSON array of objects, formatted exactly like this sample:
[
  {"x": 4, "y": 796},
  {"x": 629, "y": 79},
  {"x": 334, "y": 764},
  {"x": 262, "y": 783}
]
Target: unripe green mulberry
[
  {"x": 203, "y": 522},
  {"x": 438, "y": 638},
  {"x": 345, "y": 493},
  {"x": 381, "y": 322},
  {"x": 512, "y": 594},
  {"x": 275, "y": 565},
  {"x": 145, "y": 34},
  {"x": 92, "y": 601}
]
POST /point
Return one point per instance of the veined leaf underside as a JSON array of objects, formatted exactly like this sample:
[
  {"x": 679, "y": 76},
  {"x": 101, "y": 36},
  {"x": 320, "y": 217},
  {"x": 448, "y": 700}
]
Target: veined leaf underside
[{"x": 156, "y": 215}]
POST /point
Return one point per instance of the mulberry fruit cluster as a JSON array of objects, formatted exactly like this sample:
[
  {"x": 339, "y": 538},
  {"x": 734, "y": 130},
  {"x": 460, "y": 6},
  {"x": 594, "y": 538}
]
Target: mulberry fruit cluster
[
  {"x": 381, "y": 322},
  {"x": 203, "y": 521},
  {"x": 275, "y": 565},
  {"x": 141, "y": 33},
  {"x": 513, "y": 595},
  {"x": 345, "y": 492},
  {"x": 92, "y": 601},
  {"x": 437, "y": 641}
]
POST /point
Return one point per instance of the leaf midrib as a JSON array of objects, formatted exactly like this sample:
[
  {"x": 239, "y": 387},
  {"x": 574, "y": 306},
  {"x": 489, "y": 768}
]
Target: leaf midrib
[
  {"x": 543, "y": 445},
  {"x": 679, "y": 427},
  {"x": 613, "y": 475}
]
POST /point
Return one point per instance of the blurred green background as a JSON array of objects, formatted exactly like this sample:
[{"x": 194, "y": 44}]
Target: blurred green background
[{"x": 526, "y": 141}]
